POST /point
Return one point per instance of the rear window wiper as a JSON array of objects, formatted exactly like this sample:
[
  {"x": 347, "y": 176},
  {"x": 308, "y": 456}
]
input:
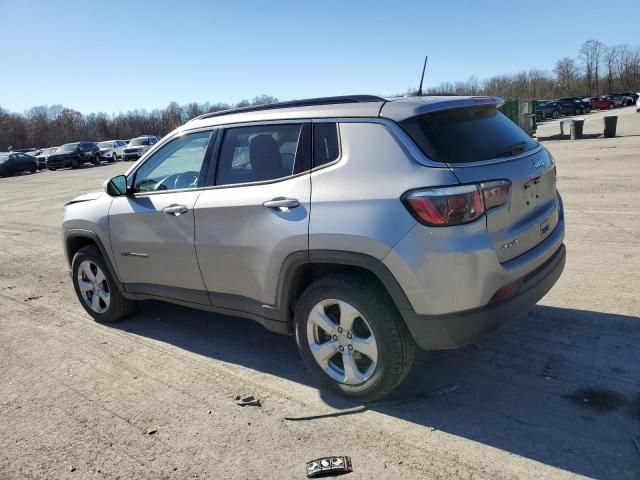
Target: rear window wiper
[{"x": 513, "y": 150}]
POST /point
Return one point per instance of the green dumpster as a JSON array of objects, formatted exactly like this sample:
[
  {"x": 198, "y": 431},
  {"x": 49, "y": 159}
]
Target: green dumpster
[{"x": 522, "y": 113}]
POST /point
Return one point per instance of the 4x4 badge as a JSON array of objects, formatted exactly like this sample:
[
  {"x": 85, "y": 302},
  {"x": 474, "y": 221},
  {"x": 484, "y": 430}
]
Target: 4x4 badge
[{"x": 538, "y": 162}]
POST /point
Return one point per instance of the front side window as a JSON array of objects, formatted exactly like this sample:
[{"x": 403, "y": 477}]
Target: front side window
[
  {"x": 176, "y": 166},
  {"x": 259, "y": 153}
]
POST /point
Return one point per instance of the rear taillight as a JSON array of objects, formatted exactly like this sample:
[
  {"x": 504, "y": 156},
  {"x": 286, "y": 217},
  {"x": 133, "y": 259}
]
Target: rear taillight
[{"x": 446, "y": 206}]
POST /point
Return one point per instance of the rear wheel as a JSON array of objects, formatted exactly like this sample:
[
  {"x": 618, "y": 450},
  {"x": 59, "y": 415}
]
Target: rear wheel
[
  {"x": 75, "y": 163},
  {"x": 33, "y": 169},
  {"x": 96, "y": 288},
  {"x": 555, "y": 114},
  {"x": 352, "y": 338}
]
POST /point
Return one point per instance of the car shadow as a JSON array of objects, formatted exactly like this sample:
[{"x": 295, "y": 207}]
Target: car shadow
[{"x": 558, "y": 386}]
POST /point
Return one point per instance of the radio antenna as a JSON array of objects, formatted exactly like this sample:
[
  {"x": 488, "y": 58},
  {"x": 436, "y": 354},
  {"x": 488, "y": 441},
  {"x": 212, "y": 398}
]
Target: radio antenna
[{"x": 424, "y": 67}]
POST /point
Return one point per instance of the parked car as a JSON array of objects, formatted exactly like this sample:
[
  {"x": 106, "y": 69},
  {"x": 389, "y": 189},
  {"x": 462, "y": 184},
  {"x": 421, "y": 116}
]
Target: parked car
[
  {"x": 618, "y": 100},
  {"x": 627, "y": 99},
  {"x": 572, "y": 106},
  {"x": 73, "y": 155},
  {"x": 633, "y": 95},
  {"x": 112, "y": 150},
  {"x": 14, "y": 162},
  {"x": 435, "y": 220},
  {"x": 43, "y": 156},
  {"x": 547, "y": 109},
  {"x": 602, "y": 103},
  {"x": 138, "y": 147}
]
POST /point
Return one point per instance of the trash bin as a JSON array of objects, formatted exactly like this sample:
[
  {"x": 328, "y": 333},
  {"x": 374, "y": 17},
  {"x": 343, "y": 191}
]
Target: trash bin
[
  {"x": 576, "y": 129},
  {"x": 610, "y": 124},
  {"x": 568, "y": 122}
]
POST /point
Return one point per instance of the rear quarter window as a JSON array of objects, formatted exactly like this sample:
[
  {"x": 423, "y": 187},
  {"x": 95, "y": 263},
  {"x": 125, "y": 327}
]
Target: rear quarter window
[{"x": 467, "y": 135}]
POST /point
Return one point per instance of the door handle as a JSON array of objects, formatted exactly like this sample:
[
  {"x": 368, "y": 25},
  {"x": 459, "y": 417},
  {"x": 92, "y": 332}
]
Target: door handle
[
  {"x": 282, "y": 203},
  {"x": 175, "y": 210}
]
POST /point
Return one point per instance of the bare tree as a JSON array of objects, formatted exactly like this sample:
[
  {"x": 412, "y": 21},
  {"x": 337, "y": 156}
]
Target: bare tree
[{"x": 591, "y": 57}]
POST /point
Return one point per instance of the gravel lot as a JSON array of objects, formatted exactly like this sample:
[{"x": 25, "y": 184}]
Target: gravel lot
[{"x": 554, "y": 395}]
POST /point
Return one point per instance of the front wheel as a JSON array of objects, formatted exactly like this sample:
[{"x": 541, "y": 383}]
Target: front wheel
[
  {"x": 555, "y": 114},
  {"x": 113, "y": 158},
  {"x": 352, "y": 338},
  {"x": 96, "y": 160},
  {"x": 96, "y": 288}
]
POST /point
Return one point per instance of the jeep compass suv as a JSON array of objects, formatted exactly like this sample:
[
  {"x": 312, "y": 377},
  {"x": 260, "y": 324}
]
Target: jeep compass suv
[{"x": 364, "y": 226}]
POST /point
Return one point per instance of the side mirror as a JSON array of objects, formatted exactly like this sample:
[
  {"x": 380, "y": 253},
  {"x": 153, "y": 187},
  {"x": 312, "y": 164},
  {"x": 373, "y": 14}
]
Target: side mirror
[{"x": 116, "y": 186}]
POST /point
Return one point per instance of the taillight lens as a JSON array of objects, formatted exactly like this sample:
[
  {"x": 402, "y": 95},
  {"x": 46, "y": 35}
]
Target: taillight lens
[
  {"x": 495, "y": 193},
  {"x": 456, "y": 205}
]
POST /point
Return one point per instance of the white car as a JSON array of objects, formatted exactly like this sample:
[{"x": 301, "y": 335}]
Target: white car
[
  {"x": 112, "y": 150},
  {"x": 138, "y": 146}
]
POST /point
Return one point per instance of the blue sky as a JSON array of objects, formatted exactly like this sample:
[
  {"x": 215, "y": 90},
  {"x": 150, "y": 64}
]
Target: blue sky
[{"x": 113, "y": 56}]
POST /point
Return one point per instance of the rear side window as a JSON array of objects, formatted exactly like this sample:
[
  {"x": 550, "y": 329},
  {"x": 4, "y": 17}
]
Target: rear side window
[
  {"x": 259, "y": 153},
  {"x": 325, "y": 143},
  {"x": 467, "y": 135}
]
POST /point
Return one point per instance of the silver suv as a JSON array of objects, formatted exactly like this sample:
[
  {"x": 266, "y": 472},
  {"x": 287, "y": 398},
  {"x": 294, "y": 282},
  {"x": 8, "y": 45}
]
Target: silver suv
[{"x": 363, "y": 226}]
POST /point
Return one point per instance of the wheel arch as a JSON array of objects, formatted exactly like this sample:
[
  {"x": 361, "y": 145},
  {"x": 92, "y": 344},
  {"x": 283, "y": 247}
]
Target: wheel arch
[
  {"x": 300, "y": 269},
  {"x": 76, "y": 239}
]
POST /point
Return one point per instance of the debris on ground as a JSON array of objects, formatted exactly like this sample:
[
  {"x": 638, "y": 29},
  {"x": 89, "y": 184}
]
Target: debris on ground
[
  {"x": 250, "y": 400},
  {"x": 72, "y": 469},
  {"x": 151, "y": 430},
  {"x": 35, "y": 297},
  {"x": 329, "y": 466}
]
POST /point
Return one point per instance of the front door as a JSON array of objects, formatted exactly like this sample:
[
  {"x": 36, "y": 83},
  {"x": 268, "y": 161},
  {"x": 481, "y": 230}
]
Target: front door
[
  {"x": 152, "y": 231},
  {"x": 255, "y": 216}
]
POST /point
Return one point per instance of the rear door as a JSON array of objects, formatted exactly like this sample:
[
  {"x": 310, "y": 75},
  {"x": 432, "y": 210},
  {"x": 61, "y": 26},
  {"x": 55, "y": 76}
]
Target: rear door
[
  {"x": 152, "y": 231},
  {"x": 481, "y": 145},
  {"x": 256, "y": 214}
]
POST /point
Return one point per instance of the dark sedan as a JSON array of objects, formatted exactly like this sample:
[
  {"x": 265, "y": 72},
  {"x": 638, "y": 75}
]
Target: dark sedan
[
  {"x": 15, "y": 162},
  {"x": 547, "y": 109},
  {"x": 73, "y": 155}
]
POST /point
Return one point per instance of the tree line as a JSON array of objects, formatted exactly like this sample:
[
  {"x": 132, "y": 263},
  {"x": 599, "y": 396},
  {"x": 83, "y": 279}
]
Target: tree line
[
  {"x": 598, "y": 69},
  {"x": 54, "y": 125}
]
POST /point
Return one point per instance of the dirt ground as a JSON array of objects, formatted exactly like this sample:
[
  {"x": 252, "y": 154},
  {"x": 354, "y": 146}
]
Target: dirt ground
[{"x": 555, "y": 394}]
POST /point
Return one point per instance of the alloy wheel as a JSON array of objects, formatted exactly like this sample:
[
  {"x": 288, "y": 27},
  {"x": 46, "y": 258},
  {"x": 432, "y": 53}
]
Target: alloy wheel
[
  {"x": 93, "y": 286},
  {"x": 342, "y": 342}
]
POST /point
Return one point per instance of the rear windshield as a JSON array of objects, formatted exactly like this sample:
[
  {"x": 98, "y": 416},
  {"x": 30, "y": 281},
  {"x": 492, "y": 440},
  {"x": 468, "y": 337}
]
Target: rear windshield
[{"x": 467, "y": 135}]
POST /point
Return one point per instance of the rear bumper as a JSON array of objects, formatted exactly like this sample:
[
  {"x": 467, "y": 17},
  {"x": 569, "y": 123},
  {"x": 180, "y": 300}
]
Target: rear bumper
[{"x": 438, "y": 332}]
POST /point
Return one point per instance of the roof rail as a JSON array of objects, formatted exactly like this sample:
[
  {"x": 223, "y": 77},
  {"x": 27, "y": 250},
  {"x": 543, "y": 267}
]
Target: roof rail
[{"x": 295, "y": 103}]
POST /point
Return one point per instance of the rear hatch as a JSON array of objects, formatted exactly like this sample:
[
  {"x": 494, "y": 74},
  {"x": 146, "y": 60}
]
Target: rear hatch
[{"x": 480, "y": 144}]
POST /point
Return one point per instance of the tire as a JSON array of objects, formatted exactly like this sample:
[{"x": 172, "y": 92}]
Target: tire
[
  {"x": 33, "y": 170},
  {"x": 375, "y": 318},
  {"x": 96, "y": 159},
  {"x": 555, "y": 114},
  {"x": 611, "y": 106},
  {"x": 111, "y": 305},
  {"x": 578, "y": 111},
  {"x": 53, "y": 169},
  {"x": 114, "y": 158},
  {"x": 74, "y": 163}
]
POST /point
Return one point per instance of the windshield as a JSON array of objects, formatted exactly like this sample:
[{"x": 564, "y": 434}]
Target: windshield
[
  {"x": 49, "y": 151},
  {"x": 105, "y": 144},
  {"x": 68, "y": 147},
  {"x": 467, "y": 135},
  {"x": 139, "y": 141}
]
